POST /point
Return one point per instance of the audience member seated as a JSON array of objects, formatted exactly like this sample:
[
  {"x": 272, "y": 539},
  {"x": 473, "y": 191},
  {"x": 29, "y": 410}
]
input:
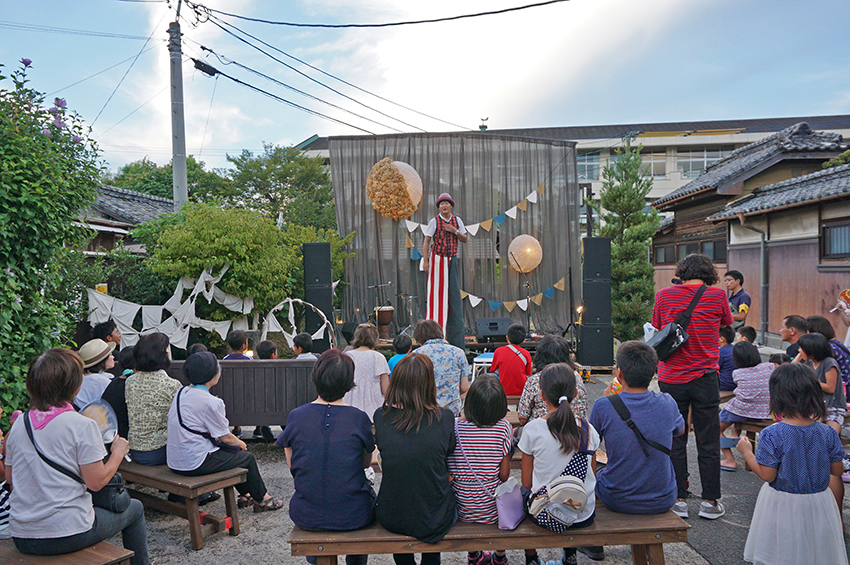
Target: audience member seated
[
  {"x": 778, "y": 359},
  {"x": 199, "y": 442},
  {"x": 819, "y": 324},
  {"x": 267, "y": 350},
  {"x": 639, "y": 478},
  {"x": 195, "y": 348},
  {"x": 371, "y": 373},
  {"x": 752, "y": 395},
  {"x": 551, "y": 349},
  {"x": 97, "y": 360},
  {"x": 302, "y": 345},
  {"x": 402, "y": 344},
  {"x": 51, "y": 513},
  {"x": 724, "y": 374},
  {"x": 327, "y": 445},
  {"x": 108, "y": 332},
  {"x": 115, "y": 392},
  {"x": 815, "y": 348},
  {"x": 511, "y": 362},
  {"x": 149, "y": 392},
  {"x": 237, "y": 340},
  {"x": 747, "y": 333},
  {"x": 451, "y": 369},
  {"x": 792, "y": 328}
]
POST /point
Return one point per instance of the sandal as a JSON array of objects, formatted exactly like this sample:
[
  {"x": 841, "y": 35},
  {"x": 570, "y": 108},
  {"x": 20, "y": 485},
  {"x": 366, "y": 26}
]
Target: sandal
[
  {"x": 269, "y": 505},
  {"x": 244, "y": 501}
]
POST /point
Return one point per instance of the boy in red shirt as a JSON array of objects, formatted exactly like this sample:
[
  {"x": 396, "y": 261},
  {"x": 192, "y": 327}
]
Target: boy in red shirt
[{"x": 511, "y": 362}]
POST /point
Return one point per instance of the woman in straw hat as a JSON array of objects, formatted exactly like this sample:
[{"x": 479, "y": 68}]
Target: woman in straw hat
[{"x": 97, "y": 360}]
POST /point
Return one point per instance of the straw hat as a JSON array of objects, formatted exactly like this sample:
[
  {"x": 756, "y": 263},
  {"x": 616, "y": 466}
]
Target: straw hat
[{"x": 94, "y": 351}]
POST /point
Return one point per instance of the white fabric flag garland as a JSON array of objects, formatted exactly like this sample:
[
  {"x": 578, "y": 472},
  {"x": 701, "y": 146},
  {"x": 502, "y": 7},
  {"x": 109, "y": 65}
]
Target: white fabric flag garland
[
  {"x": 523, "y": 304},
  {"x": 151, "y": 316},
  {"x": 511, "y": 212},
  {"x": 475, "y": 300},
  {"x": 532, "y": 197},
  {"x": 473, "y": 229},
  {"x": 411, "y": 226},
  {"x": 100, "y": 306}
]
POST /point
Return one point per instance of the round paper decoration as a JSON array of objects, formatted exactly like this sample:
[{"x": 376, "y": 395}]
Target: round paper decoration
[
  {"x": 394, "y": 188},
  {"x": 526, "y": 251}
]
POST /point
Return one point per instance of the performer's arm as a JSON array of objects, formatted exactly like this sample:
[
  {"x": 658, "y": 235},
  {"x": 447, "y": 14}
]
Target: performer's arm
[
  {"x": 426, "y": 252},
  {"x": 461, "y": 237}
]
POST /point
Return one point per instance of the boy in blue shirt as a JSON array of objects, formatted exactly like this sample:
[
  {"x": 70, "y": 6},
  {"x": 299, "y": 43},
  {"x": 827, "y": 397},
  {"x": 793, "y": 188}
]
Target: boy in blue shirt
[
  {"x": 724, "y": 374},
  {"x": 639, "y": 477},
  {"x": 402, "y": 345}
]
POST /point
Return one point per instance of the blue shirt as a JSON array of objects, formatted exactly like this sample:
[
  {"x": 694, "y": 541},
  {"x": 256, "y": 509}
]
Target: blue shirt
[
  {"x": 800, "y": 454},
  {"x": 726, "y": 368},
  {"x": 327, "y": 445},
  {"x": 631, "y": 482},
  {"x": 395, "y": 359},
  {"x": 740, "y": 303}
]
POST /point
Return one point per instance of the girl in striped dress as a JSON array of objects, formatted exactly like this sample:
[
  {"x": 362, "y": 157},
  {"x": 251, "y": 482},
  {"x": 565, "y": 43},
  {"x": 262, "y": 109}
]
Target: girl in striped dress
[{"x": 482, "y": 460}]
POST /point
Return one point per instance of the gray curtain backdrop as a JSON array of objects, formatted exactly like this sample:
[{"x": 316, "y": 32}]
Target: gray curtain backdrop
[{"x": 486, "y": 175}]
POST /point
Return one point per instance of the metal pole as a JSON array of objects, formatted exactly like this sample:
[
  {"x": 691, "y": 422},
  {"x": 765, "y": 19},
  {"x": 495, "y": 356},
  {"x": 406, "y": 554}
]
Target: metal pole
[
  {"x": 178, "y": 125},
  {"x": 765, "y": 284}
]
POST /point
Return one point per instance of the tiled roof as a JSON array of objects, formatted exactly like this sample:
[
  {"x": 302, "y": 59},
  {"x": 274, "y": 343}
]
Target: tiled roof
[
  {"x": 130, "y": 206},
  {"x": 822, "y": 185},
  {"x": 797, "y": 138},
  {"x": 666, "y": 223}
]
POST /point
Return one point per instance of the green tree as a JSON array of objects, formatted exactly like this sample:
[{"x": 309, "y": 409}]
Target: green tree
[
  {"x": 624, "y": 218},
  {"x": 146, "y": 176},
  {"x": 285, "y": 184},
  {"x": 49, "y": 171},
  {"x": 842, "y": 159}
]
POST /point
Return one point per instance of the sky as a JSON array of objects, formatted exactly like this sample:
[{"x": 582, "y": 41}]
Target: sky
[{"x": 581, "y": 62}]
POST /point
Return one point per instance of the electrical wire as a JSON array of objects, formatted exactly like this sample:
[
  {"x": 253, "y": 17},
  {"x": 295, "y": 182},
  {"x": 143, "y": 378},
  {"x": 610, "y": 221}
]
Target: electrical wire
[
  {"x": 207, "y": 123},
  {"x": 218, "y": 22},
  {"x": 67, "y": 31},
  {"x": 200, "y": 8},
  {"x": 134, "y": 111},
  {"x": 98, "y": 73}
]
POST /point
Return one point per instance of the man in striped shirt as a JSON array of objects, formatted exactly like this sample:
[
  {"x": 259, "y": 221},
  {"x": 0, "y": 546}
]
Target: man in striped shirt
[{"x": 689, "y": 375}]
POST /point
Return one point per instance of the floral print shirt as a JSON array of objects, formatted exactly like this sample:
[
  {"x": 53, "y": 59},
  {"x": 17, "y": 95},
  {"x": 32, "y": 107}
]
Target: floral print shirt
[
  {"x": 531, "y": 403},
  {"x": 449, "y": 366}
]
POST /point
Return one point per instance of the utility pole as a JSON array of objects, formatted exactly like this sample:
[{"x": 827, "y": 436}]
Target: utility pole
[{"x": 178, "y": 125}]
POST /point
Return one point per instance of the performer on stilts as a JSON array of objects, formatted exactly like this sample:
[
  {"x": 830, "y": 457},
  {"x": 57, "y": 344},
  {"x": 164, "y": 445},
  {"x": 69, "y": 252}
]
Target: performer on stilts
[{"x": 441, "y": 263}]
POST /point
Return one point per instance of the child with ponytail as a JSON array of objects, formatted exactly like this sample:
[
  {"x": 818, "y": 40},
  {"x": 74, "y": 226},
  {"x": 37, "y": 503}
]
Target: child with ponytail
[{"x": 551, "y": 444}]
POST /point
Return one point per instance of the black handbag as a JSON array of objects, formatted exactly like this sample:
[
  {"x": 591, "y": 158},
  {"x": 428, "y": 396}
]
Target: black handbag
[
  {"x": 673, "y": 335},
  {"x": 215, "y": 441},
  {"x": 113, "y": 496}
]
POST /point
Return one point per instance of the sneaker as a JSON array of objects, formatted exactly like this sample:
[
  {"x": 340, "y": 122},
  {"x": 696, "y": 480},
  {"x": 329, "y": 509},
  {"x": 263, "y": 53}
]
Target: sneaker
[
  {"x": 680, "y": 509},
  {"x": 595, "y": 552},
  {"x": 845, "y": 477},
  {"x": 479, "y": 558},
  {"x": 500, "y": 559},
  {"x": 711, "y": 511},
  {"x": 533, "y": 561},
  {"x": 569, "y": 557}
]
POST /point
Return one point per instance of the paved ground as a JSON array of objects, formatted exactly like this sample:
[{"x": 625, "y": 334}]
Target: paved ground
[{"x": 263, "y": 537}]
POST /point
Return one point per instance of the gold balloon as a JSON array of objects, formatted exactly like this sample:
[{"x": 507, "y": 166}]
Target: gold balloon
[
  {"x": 394, "y": 188},
  {"x": 525, "y": 250}
]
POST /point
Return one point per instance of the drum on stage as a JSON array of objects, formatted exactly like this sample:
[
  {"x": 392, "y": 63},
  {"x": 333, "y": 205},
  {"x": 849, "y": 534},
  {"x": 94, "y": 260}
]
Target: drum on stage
[{"x": 384, "y": 315}]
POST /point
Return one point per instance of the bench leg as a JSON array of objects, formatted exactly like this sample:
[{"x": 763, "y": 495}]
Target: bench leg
[
  {"x": 230, "y": 510},
  {"x": 326, "y": 560},
  {"x": 639, "y": 556},
  {"x": 194, "y": 517},
  {"x": 656, "y": 554}
]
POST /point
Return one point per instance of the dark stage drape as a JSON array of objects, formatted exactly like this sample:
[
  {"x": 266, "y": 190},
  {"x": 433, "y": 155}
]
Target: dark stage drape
[{"x": 486, "y": 175}]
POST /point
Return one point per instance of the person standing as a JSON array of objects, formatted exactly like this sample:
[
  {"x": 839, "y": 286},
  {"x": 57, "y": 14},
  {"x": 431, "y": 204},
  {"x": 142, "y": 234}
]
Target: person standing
[
  {"x": 689, "y": 375},
  {"x": 739, "y": 299},
  {"x": 440, "y": 261}
]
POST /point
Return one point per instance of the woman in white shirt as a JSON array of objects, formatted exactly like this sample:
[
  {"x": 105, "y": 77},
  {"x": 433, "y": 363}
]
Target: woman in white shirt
[
  {"x": 371, "y": 371},
  {"x": 97, "y": 360},
  {"x": 52, "y": 513}
]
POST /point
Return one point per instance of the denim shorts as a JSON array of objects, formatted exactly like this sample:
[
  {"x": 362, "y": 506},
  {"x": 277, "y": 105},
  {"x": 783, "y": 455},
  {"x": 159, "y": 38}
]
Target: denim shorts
[{"x": 728, "y": 417}]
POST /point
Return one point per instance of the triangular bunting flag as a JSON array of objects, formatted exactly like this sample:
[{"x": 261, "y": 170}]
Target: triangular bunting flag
[
  {"x": 532, "y": 197},
  {"x": 523, "y": 304},
  {"x": 560, "y": 284},
  {"x": 463, "y": 294},
  {"x": 523, "y": 205},
  {"x": 475, "y": 300},
  {"x": 549, "y": 292},
  {"x": 494, "y": 305},
  {"x": 511, "y": 213},
  {"x": 486, "y": 225},
  {"x": 423, "y": 227},
  {"x": 540, "y": 188},
  {"x": 537, "y": 299},
  {"x": 411, "y": 226},
  {"x": 473, "y": 229},
  {"x": 415, "y": 255},
  {"x": 509, "y": 305},
  {"x": 407, "y": 242},
  {"x": 500, "y": 219}
]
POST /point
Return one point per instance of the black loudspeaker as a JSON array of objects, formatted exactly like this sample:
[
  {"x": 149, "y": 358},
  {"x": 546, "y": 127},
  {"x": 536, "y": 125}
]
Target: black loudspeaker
[
  {"x": 597, "y": 303},
  {"x": 491, "y": 329},
  {"x": 318, "y": 290},
  {"x": 596, "y": 257},
  {"x": 595, "y": 345},
  {"x": 347, "y": 331}
]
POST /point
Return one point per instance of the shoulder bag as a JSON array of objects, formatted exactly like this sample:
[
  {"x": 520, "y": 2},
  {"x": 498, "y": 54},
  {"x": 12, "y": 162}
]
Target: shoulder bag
[
  {"x": 509, "y": 503},
  {"x": 626, "y": 416},
  {"x": 673, "y": 335},
  {"x": 216, "y": 442},
  {"x": 113, "y": 496}
]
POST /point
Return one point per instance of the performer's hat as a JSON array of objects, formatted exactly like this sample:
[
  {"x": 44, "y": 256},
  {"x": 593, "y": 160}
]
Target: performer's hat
[{"x": 445, "y": 196}]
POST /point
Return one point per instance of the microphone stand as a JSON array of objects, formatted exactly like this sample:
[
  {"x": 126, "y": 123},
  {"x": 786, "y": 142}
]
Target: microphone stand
[{"x": 527, "y": 297}]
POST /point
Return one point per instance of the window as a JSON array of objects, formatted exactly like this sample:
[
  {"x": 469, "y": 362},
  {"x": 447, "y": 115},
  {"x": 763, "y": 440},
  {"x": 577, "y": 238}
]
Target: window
[
  {"x": 665, "y": 255},
  {"x": 835, "y": 240},
  {"x": 692, "y": 161},
  {"x": 685, "y": 249},
  {"x": 715, "y": 249},
  {"x": 588, "y": 166},
  {"x": 654, "y": 163}
]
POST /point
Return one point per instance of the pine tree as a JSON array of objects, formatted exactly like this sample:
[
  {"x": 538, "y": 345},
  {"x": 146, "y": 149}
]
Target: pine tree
[{"x": 623, "y": 218}]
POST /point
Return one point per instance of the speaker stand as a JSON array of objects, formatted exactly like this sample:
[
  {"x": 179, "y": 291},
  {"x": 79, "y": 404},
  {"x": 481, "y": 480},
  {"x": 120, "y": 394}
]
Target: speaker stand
[{"x": 527, "y": 298}]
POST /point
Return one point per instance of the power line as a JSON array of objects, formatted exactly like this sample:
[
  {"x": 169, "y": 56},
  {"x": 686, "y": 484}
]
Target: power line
[
  {"x": 218, "y": 22},
  {"x": 97, "y": 73},
  {"x": 212, "y": 71},
  {"x": 67, "y": 31},
  {"x": 200, "y": 8},
  {"x": 134, "y": 111},
  {"x": 209, "y": 111}
]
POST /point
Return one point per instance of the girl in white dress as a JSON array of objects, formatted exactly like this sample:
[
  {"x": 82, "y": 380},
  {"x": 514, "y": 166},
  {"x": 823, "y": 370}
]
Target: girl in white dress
[{"x": 796, "y": 519}]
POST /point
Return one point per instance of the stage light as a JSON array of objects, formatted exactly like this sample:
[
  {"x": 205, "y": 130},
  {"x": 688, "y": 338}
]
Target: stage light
[{"x": 524, "y": 253}]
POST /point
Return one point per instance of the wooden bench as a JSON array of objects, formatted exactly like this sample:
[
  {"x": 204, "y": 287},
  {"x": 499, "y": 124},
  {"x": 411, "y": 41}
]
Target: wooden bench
[
  {"x": 646, "y": 534},
  {"x": 101, "y": 553},
  {"x": 201, "y": 524}
]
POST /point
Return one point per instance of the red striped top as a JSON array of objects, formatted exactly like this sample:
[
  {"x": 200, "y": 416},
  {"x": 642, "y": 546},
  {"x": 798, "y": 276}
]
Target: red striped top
[{"x": 700, "y": 352}]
